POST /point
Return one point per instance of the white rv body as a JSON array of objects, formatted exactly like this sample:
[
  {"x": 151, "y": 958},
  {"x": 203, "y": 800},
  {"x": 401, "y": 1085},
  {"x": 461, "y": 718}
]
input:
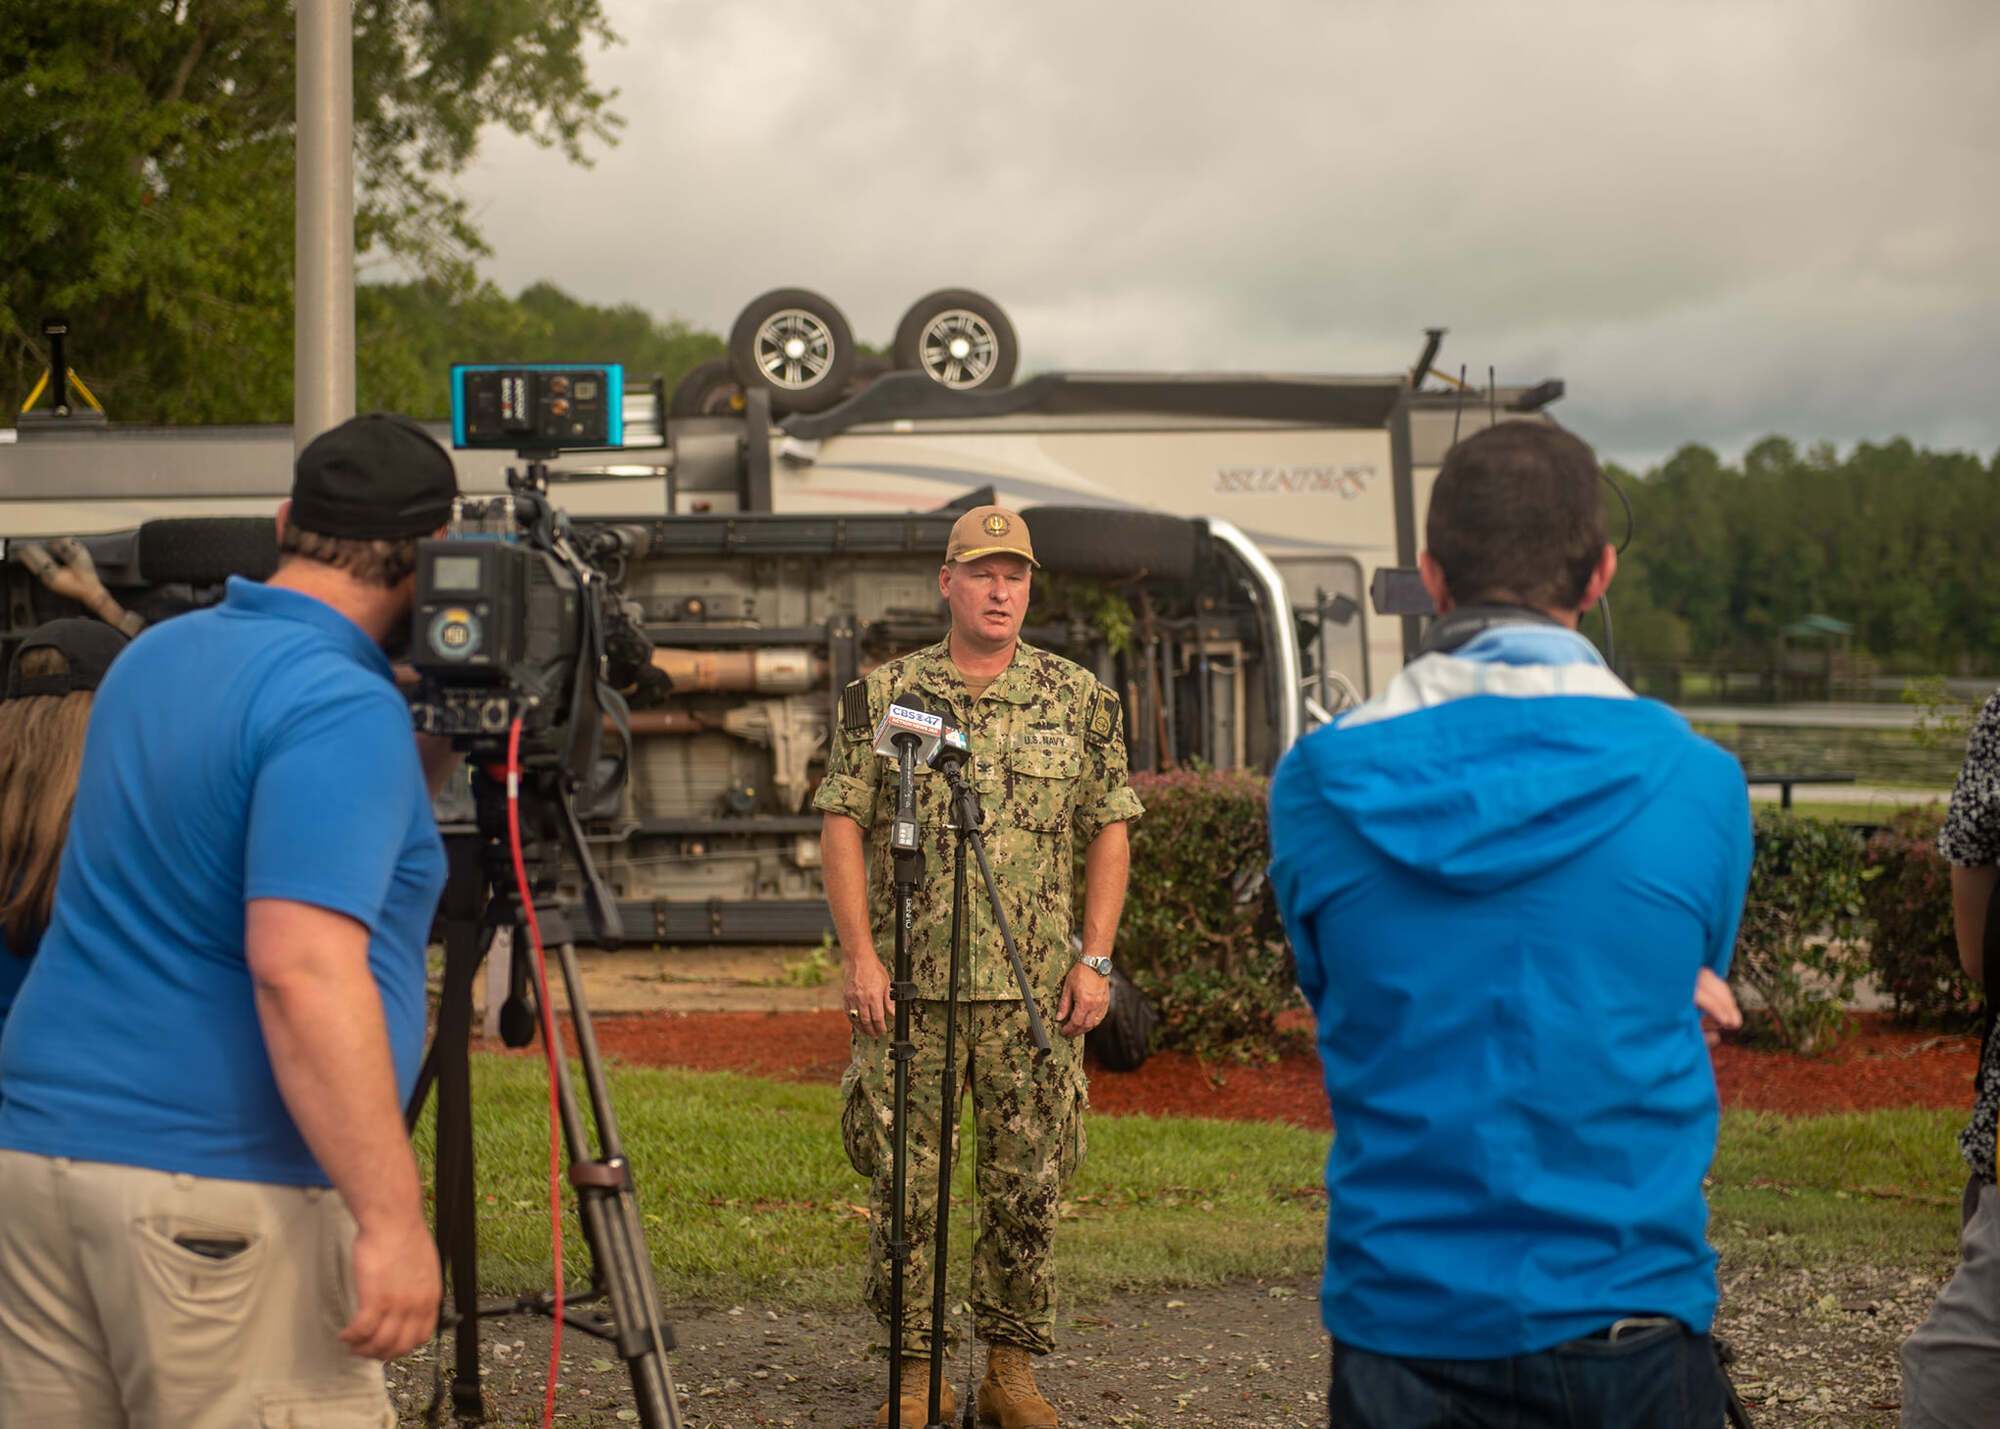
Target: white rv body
[{"x": 1329, "y": 477}]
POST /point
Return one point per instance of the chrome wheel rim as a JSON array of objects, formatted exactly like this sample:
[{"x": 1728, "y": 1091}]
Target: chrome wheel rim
[
  {"x": 793, "y": 349},
  {"x": 958, "y": 348}
]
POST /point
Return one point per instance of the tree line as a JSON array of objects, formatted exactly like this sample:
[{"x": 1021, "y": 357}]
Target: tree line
[
  {"x": 407, "y": 335},
  {"x": 1892, "y": 538},
  {"x": 146, "y": 187}
]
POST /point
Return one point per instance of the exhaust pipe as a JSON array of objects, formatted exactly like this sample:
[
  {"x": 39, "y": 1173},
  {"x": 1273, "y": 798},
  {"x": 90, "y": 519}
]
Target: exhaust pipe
[{"x": 761, "y": 672}]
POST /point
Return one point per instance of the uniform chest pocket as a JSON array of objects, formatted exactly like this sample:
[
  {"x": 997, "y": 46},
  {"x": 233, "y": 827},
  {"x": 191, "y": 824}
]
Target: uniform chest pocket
[{"x": 1041, "y": 783}]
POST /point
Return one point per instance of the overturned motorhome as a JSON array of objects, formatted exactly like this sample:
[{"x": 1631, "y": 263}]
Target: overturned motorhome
[{"x": 1208, "y": 543}]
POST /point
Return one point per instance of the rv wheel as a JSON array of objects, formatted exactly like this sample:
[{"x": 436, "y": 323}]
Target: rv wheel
[
  {"x": 959, "y": 339},
  {"x": 205, "y": 550},
  {"x": 709, "y": 389},
  {"x": 795, "y": 344}
]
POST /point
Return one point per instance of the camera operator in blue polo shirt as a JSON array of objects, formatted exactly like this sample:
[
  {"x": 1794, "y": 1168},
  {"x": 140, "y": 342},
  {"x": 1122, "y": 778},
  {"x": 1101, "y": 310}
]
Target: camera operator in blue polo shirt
[
  {"x": 1513, "y": 888},
  {"x": 212, "y": 1212}
]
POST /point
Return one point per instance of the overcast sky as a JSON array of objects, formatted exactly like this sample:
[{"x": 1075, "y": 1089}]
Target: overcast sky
[{"x": 1712, "y": 220}]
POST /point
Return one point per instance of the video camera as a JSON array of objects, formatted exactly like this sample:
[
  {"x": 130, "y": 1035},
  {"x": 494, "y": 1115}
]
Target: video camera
[
  {"x": 524, "y": 650},
  {"x": 517, "y": 616}
]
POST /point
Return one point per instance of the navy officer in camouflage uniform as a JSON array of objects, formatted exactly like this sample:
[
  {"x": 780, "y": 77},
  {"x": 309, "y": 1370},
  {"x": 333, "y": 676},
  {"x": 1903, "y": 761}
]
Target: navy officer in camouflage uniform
[{"x": 1048, "y": 760}]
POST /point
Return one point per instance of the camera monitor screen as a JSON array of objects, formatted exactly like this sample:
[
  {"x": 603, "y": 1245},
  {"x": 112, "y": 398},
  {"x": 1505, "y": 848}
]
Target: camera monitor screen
[
  {"x": 457, "y": 573},
  {"x": 537, "y": 406}
]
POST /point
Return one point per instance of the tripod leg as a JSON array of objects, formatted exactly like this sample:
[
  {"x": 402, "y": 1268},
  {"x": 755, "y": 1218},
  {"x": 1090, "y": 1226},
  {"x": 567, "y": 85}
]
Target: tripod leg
[
  {"x": 450, "y": 1057},
  {"x": 609, "y": 1211}
]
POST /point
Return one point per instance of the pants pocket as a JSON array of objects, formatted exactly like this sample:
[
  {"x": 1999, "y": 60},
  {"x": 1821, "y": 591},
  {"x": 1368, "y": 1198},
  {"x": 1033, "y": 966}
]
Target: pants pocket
[
  {"x": 337, "y": 1295},
  {"x": 857, "y": 1121},
  {"x": 200, "y": 1278},
  {"x": 342, "y": 1408},
  {"x": 1075, "y": 1139}
]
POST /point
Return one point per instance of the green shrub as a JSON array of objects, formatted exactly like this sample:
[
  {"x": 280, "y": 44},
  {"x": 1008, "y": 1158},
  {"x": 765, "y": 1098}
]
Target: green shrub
[
  {"x": 1907, "y": 895},
  {"x": 1797, "y": 947},
  {"x": 1200, "y": 936}
]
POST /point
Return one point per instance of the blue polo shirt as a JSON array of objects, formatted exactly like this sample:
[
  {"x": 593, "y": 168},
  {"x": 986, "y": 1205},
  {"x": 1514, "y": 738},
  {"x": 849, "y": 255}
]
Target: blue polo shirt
[{"x": 255, "y": 750}]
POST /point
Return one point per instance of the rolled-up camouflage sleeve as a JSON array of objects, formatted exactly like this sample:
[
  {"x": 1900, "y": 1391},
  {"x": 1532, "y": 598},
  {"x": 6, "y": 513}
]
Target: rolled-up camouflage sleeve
[
  {"x": 1106, "y": 796},
  {"x": 853, "y": 776}
]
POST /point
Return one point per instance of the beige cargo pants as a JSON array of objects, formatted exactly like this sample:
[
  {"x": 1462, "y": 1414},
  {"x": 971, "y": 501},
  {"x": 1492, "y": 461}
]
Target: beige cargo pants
[{"x": 142, "y": 1299}]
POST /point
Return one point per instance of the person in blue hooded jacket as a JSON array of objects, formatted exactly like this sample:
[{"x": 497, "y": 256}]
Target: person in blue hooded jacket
[{"x": 1512, "y": 888}]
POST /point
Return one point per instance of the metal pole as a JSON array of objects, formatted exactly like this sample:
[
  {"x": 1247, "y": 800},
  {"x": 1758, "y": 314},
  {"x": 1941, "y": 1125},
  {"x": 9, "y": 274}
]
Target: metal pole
[
  {"x": 947, "y": 1121},
  {"x": 1325, "y": 684},
  {"x": 323, "y": 299},
  {"x": 909, "y": 864}
]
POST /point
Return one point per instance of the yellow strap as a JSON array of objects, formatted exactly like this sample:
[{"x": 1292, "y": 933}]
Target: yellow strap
[
  {"x": 77, "y": 382},
  {"x": 42, "y": 385}
]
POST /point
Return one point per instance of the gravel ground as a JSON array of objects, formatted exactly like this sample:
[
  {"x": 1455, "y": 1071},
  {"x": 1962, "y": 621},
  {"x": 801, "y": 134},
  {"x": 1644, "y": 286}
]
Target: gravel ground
[
  {"x": 1814, "y": 1349},
  {"x": 1246, "y": 1354},
  {"x": 1819, "y": 1347}
]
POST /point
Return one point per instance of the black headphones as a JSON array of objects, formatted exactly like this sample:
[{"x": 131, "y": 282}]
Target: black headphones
[{"x": 1448, "y": 632}]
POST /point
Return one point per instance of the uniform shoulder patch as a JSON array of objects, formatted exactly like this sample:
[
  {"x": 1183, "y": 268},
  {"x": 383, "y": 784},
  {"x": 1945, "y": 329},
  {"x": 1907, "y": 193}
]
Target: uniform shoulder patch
[
  {"x": 854, "y": 709},
  {"x": 1100, "y": 726}
]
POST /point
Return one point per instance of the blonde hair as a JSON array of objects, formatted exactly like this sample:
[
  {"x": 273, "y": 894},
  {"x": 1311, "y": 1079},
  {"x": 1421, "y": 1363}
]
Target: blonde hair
[{"x": 41, "y": 748}]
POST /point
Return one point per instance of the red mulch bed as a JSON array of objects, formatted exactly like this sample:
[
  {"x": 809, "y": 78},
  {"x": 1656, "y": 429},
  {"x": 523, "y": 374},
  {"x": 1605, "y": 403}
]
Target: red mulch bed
[{"x": 1879, "y": 1065}]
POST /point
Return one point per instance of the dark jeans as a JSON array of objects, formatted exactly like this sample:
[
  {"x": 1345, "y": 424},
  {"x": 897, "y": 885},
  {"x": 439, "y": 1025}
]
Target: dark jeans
[{"x": 1659, "y": 1378}]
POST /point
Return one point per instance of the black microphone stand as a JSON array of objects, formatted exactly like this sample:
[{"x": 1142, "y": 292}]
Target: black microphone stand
[
  {"x": 965, "y": 820},
  {"x": 908, "y": 872}
]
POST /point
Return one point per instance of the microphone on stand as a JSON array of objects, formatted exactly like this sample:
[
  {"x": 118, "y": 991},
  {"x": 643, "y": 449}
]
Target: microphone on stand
[
  {"x": 907, "y": 733},
  {"x": 951, "y": 751}
]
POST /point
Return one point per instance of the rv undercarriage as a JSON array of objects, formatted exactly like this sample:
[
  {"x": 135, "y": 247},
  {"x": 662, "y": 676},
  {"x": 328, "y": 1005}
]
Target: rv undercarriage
[{"x": 760, "y": 620}]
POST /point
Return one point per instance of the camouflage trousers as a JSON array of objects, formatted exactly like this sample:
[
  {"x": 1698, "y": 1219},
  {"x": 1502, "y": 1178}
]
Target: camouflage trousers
[{"x": 1028, "y": 1126}]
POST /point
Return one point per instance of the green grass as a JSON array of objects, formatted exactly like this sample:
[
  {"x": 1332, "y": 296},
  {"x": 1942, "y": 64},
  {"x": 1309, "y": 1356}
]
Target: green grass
[
  {"x": 746, "y": 1194},
  {"x": 1875, "y": 811},
  {"x": 1881, "y": 1186}
]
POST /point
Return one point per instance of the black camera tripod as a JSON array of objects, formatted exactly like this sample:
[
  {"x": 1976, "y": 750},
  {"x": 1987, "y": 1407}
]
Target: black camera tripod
[
  {"x": 481, "y": 896},
  {"x": 965, "y": 818}
]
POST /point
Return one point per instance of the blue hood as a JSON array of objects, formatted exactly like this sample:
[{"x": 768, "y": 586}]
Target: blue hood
[
  {"x": 1555, "y": 775},
  {"x": 1565, "y": 755}
]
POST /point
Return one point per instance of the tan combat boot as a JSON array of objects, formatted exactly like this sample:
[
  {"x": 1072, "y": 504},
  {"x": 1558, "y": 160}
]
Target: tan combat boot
[
  {"x": 917, "y": 1398},
  {"x": 1008, "y": 1397}
]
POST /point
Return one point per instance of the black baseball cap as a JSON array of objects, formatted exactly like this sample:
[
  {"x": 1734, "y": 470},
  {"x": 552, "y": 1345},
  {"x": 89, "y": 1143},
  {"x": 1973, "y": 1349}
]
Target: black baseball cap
[
  {"x": 88, "y": 647},
  {"x": 378, "y": 477}
]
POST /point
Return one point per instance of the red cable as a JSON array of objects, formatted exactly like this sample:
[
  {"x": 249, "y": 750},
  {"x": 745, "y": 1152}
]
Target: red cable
[{"x": 549, "y": 1044}]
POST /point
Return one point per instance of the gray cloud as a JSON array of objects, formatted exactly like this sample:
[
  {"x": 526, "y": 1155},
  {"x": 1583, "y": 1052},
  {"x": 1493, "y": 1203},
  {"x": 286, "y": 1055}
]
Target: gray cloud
[{"x": 1712, "y": 219}]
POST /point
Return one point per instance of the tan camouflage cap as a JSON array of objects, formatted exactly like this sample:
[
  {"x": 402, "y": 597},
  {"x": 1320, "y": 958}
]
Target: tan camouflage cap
[{"x": 989, "y": 531}]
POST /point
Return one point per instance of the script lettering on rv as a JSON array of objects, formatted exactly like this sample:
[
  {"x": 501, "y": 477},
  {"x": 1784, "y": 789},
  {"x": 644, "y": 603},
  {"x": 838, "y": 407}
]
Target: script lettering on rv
[{"x": 1348, "y": 482}]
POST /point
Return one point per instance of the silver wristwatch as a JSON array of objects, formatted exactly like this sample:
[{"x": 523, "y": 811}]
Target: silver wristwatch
[{"x": 1100, "y": 966}]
